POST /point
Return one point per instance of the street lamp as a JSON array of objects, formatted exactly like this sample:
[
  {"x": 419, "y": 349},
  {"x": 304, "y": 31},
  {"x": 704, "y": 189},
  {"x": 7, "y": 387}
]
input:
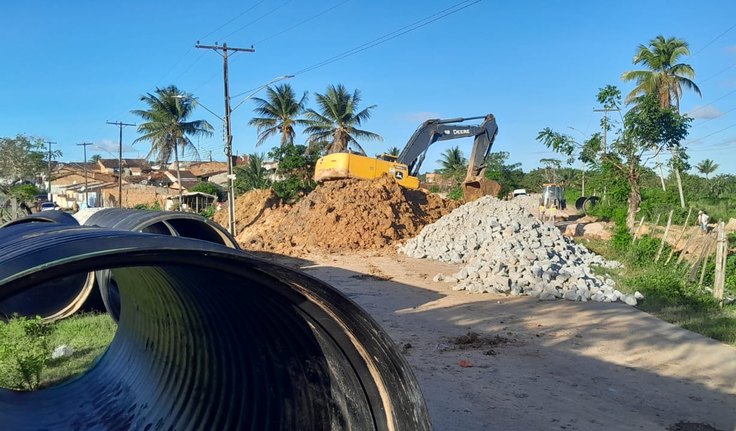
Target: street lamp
[{"x": 229, "y": 145}]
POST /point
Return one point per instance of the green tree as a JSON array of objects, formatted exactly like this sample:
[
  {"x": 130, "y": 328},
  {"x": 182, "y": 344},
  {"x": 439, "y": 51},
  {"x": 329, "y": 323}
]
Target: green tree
[
  {"x": 551, "y": 166},
  {"x": 295, "y": 171},
  {"x": 279, "y": 113},
  {"x": 664, "y": 78},
  {"x": 338, "y": 120},
  {"x": 647, "y": 127},
  {"x": 453, "y": 162},
  {"x": 23, "y": 158},
  {"x": 166, "y": 125},
  {"x": 707, "y": 167},
  {"x": 95, "y": 158},
  {"x": 394, "y": 151},
  {"x": 252, "y": 176},
  {"x": 508, "y": 176},
  {"x": 210, "y": 189}
]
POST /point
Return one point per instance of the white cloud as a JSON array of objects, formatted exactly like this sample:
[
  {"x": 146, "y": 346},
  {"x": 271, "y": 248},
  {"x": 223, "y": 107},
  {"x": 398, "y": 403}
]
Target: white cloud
[
  {"x": 705, "y": 112},
  {"x": 418, "y": 117}
]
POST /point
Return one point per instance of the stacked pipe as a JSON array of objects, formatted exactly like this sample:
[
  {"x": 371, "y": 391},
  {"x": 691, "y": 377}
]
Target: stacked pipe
[
  {"x": 62, "y": 298},
  {"x": 208, "y": 338}
]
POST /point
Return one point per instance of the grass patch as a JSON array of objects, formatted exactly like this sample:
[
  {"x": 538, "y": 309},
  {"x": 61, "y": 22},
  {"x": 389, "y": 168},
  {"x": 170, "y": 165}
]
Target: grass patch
[
  {"x": 88, "y": 335},
  {"x": 668, "y": 292}
]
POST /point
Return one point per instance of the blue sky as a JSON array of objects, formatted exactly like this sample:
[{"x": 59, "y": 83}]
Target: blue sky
[{"x": 68, "y": 67}]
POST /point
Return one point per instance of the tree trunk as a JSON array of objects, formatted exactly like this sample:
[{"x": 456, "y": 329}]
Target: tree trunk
[
  {"x": 679, "y": 180},
  {"x": 178, "y": 172},
  {"x": 634, "y": 199},
  {"x": 661, "y": 174}
]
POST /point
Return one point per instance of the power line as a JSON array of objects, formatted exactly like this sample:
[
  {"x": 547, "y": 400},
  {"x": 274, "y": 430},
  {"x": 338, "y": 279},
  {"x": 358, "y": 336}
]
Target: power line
[
  {"x": 712, "y": 41},
  {"x": 231, "y": 20},
  {"x": 300, "y": 23},
  {"x": 712, "y": 102},
  {"x": 257, "y": 19},
  {"x": 392, "y": 35},
  {"x": 711, "y": 134},
  {"x": 717, "y": 73}
]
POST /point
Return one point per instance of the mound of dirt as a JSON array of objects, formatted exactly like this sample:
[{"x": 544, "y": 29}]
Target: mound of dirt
[
  {"x": 250, "y": 208},
  {"x": 344, "y": 215}
]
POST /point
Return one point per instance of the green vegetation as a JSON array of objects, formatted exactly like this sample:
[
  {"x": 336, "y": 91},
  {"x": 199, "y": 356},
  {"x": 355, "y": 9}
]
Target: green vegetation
[
  {"x": 669, "y": 292},
  {"x": 252, "y": 176},
  {"x": 338, "y": 119},
  {"x": 166, "y": 125},
  {"x": 26, "y": 346}
]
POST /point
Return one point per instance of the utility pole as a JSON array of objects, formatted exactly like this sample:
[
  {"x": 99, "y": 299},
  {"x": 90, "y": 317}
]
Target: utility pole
[
  {"x": 120, "y": 124},
  {"x": 84, "y": 145},
  {"x": 48, "y": 189},
  {"x": 228, "y": 132},
  {"x": 605, "y": 123}
]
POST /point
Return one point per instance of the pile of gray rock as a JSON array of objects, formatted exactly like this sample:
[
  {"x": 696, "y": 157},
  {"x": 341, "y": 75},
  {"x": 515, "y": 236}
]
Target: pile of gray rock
[{"x": 504, "y": 248}]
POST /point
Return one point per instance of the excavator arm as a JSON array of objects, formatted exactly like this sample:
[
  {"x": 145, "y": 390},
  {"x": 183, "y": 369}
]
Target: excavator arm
[
  {"x": 405, "y": 167},
  {"x": 435, "y": 130}
]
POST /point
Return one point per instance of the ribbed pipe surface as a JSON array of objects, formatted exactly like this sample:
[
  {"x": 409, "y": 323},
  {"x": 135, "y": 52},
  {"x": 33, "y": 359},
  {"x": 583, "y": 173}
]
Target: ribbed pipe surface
[{"x": 209, "y": 338}]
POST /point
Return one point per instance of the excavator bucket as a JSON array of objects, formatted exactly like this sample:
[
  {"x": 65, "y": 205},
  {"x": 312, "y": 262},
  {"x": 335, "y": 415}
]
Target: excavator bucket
[{"x": 479, "y": 186}]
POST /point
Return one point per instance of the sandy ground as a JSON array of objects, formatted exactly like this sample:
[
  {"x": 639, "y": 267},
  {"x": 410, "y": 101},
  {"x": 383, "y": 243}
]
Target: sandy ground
[{"x": 544, "y": 365}]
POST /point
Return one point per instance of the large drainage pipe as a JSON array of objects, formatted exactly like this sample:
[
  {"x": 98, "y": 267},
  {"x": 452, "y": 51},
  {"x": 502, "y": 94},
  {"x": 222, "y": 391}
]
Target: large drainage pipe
[
  {"x": 172, "y": 223},
  {"x": 209, "y": 338},
  {"x": 62, "y": 298}
]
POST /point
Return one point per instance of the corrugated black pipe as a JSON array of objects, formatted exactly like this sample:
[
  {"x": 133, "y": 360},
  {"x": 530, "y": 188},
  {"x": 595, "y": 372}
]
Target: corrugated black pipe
[{"x": 209, "y": 338}]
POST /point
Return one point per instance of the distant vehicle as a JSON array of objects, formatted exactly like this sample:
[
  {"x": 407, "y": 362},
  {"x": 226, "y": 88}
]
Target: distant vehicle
[
  {"x": 519, "y": 192},
  {"x": 553, "y": 195},
  {"x": 49, "y": 206}
]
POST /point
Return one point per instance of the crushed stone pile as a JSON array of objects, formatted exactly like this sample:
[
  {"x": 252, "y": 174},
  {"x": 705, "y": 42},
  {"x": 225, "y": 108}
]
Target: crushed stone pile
[
  {"x": 506, "y": 249},
  {"x": 346, "y": 214}
]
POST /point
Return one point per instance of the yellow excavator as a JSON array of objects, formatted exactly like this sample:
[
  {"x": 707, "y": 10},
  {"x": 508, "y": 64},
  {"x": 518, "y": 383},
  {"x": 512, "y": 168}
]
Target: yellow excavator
[{"x": 405, "y": 167}]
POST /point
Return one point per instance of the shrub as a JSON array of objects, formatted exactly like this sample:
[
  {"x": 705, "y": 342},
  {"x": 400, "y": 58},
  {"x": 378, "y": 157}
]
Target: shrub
[{"x": 24, "y": 351}]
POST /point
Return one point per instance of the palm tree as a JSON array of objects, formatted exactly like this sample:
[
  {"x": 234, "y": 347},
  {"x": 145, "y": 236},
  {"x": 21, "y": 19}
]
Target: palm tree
[
  {"x": 707, "y": 167},
  {"x": 338, "y": 120},
  {"x": 394, "y": 151},
  {"x": 166, "y": 127},
  {"x": 665, "y": 77},
  {"x": 279, "y": 113},
  {"x": 453, "y": 161}
]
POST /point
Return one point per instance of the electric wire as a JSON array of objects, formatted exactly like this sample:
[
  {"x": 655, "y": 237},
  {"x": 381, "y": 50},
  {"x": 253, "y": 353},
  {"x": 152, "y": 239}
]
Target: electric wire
[
  {"x": 300, "y": 23},
  {"x": 231, "y": 20},
  {"x": 257, "y": 19},
  {"x": 392, "y": 35},
  {"x": 713, "y": 41}
]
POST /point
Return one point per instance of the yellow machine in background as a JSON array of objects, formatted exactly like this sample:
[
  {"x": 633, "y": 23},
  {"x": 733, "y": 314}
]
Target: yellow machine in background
[
  {"x": 405, "y": 167},
  {"x": 348, "y": 165}
]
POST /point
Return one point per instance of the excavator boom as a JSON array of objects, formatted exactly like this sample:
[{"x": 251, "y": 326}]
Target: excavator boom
[{"x": 405, "y": 168}]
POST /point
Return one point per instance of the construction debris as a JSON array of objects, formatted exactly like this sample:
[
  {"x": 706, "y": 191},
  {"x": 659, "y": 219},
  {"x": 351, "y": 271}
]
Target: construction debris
[{"x": 506, "y": 249}]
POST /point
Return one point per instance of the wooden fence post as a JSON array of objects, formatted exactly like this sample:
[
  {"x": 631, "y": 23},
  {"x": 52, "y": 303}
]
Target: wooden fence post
[
  {"x": 638, "y": 228},
  {"x": 664, "y": 237},
  {"x": 705, "y": 264},
  {"x": 679, "y": 238},
  {"x": 692, "y": 236},
  {"x": 720, "y": 277},
  {"x": 653, "y": 226}
]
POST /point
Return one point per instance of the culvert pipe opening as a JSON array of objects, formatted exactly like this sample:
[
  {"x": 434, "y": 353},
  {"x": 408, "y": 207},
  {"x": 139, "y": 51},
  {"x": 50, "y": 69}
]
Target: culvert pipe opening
[{"x": 209, "y": 338}]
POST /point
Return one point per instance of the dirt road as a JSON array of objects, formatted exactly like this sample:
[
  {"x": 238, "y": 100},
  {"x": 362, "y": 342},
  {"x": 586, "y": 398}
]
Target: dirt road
[{"x": 537, "y": 365}]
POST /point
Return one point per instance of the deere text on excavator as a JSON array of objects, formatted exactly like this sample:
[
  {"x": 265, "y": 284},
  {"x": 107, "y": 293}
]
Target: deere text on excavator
[{"x": 405, "y": 167}]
